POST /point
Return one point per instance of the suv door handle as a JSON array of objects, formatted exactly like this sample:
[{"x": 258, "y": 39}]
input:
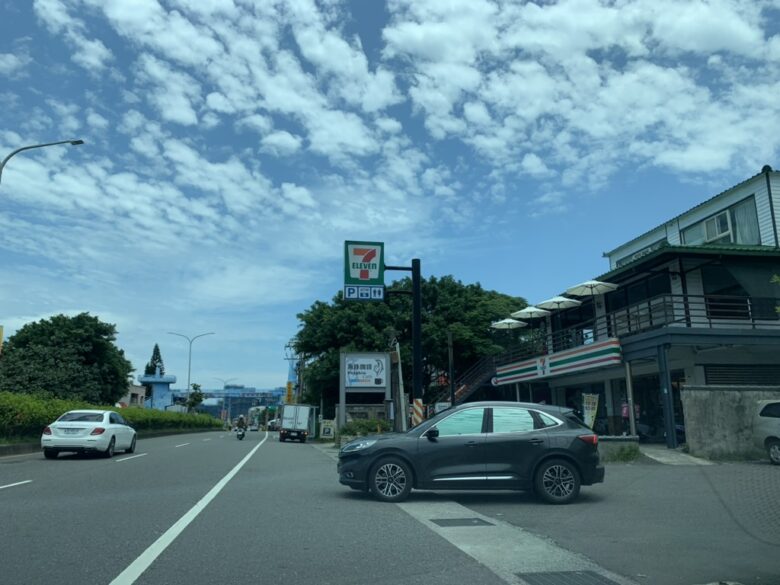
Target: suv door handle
[
  {"x": 536, "y": 441},
  {"x": 472, "y": 444}
]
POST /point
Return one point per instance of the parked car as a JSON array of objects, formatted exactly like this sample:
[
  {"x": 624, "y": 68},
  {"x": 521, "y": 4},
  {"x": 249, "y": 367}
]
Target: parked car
[
  {"x": 766, "y": 428},
  {"x": 83, "y": 431},
  {"x": 479, "y": 446}
]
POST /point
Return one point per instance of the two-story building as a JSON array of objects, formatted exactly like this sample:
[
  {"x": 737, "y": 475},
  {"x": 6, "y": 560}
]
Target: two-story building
[{"x": 695, "y": 304}]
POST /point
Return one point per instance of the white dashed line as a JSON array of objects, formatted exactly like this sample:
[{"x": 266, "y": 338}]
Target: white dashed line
[
  {"x": 131, "y": 457},
  {"x": 2, "y": 487},
  {"x": 206, "y": 439},
  {"x": 182, "y": 445}
]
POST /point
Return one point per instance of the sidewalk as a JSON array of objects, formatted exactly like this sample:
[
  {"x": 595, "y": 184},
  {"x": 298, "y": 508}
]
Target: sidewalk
[
  {"x": 668, "y": 456},
  {"x": 328, "y": 449}
]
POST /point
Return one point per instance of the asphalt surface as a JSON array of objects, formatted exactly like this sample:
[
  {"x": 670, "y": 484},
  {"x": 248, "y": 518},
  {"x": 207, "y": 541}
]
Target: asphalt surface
[
  {"x": 184, "y": 509},
  {"x": 661, "y": 524},
  {"x": 283, "y": 518}
]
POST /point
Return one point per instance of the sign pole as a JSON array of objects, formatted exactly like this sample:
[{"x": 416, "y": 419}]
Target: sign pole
[
  {"x": 417, "y": 373},
  {"x": 450, "y": 373}
]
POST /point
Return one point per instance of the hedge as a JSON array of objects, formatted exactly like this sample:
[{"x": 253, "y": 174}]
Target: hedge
[
  {"x": 358, "y": 427},
  {"x": 25, "y": 415}
]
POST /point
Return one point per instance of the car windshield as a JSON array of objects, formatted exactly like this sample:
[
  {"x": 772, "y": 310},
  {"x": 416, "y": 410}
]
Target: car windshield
[
  {"x": 424, "y": 256},
  {"x": 81, "y": 417}
]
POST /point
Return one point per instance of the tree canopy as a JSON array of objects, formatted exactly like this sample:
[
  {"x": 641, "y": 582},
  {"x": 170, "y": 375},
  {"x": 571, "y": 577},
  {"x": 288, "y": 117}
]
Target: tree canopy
[
  {"x": 66, "y": 357},
  {"x": 155, "y": 362},
  {"x": 447, "y": 304}
]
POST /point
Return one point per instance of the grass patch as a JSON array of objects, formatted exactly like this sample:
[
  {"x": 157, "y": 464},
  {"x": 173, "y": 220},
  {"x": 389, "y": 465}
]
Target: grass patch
[{"x": 621, "y": 454}]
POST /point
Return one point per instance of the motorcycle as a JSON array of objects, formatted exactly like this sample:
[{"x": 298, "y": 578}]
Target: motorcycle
[{"x": 240, "y": 433}]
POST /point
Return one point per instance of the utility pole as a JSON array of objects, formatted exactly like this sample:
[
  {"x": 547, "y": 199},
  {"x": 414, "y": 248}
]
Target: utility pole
[{"x": 451, "y": 374}]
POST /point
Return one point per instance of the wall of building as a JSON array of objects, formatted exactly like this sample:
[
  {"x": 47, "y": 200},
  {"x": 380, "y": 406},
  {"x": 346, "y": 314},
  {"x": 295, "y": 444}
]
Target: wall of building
[
  {"x": 774, "y": 181},
  {"x": 719, "y": 419}
]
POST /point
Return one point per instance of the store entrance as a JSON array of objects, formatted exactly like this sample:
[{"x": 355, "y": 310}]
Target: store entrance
[{"x": 648, "y": 407}]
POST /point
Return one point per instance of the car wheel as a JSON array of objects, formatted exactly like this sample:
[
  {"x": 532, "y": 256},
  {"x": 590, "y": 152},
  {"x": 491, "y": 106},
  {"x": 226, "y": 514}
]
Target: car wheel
[
  {"x": 109, "y": 452},
  {"x": 281, "y": 439},
  {"x": 557, "y": 481},
  {"x": 773, "y": 448},
  {"x": 50, "y": 453},
  {"x": 131, "y": 448},
  {"x": 390, "y": 480}
]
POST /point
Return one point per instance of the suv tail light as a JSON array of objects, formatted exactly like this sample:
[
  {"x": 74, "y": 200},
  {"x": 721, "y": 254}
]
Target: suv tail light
[
  {"x": 46, "y": 431},
  {"x": 98, "y": 431},
  {"x": 589, "y": 439}
]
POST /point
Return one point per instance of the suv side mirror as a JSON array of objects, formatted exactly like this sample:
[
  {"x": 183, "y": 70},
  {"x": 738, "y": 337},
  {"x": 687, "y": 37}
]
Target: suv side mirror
[{"x": 432, "y": 433}]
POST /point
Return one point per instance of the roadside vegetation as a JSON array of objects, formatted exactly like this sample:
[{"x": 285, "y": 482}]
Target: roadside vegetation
[
  {"x": 23, "y": 416},
  {"x": 448, "y": 305},
  {"x": 64, "y": 363}
]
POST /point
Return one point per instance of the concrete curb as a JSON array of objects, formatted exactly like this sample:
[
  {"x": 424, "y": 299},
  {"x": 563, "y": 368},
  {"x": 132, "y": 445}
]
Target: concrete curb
[{"x": 34, "y": 447}]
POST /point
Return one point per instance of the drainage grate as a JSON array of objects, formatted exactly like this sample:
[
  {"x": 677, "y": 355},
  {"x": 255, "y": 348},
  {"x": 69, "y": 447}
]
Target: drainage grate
[
  {"x": 566, "y": 578},
  {"x": 448, "y": 522}
]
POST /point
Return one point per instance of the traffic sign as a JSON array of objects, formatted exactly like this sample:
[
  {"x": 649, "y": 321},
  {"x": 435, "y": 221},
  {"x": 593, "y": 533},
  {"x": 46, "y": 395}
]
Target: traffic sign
[{"x": 354, "y": 292}]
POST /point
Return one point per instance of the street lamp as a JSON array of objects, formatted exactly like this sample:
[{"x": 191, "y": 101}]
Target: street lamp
[
  {"x": 189, "y": 358},
  {"x": 18, "y": 150}
]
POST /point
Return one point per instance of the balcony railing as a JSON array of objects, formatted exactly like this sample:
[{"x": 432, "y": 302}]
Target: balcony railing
[{"x": 668, "y": 310}]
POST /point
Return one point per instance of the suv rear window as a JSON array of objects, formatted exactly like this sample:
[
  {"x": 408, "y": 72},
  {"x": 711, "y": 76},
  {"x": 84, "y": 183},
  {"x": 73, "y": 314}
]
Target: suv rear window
[{"x": 771, "y": 410}]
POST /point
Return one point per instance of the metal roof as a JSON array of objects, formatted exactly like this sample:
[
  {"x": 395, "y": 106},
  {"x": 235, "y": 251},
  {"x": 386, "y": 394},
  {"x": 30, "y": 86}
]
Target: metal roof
[
  {"x": 705, "y": 202},
  {"x": 707, "y": 250}
]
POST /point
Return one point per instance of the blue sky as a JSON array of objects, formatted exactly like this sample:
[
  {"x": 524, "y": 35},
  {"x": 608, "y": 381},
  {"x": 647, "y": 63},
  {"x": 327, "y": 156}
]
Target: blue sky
[{"x": 232, "y": 146}]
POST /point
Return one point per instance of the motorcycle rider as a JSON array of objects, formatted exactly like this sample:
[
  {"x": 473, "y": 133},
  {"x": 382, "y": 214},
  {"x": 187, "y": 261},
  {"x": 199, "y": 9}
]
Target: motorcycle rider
[{"x": 241, "y": 423}]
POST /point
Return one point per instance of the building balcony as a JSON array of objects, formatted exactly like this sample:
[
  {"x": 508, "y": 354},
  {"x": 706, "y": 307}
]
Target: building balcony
[{"x": 712, "y": 312}]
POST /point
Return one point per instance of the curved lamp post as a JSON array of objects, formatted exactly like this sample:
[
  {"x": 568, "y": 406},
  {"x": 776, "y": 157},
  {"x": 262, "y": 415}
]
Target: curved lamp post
[
  {"x": 18, "y": 150},
  {"x": 189, "y": 357}
]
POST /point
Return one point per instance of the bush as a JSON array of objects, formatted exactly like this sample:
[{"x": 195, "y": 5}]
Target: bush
[
  {"x": 365, "y": 427},
  {"x": 25, "y": 415}
]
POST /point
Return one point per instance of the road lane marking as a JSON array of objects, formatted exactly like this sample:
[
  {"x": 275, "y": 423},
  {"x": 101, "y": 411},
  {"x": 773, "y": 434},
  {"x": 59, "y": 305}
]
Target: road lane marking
[
  {"x": 2, "y": 487},
  {"x": 206, "y": 439},
  {"x": 502, "y": 547},
  {"x": 182, "y": 445},
  {"x": 131, "y": 457},
  {"x": 139, "y": 565}
]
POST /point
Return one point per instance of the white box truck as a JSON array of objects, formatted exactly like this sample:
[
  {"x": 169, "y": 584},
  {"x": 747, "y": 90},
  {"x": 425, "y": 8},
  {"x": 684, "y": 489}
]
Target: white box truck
[{"x": 295, "y": 422}]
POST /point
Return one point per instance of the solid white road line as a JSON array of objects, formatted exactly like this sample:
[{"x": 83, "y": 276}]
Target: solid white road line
[
  {"x": 503, "y": 548},
  {"x": 2, "y": 487},
  {"x": 131, "y": 457},
  {"x": 139, "y": 565},
  {"x": 182, "y": 445}
]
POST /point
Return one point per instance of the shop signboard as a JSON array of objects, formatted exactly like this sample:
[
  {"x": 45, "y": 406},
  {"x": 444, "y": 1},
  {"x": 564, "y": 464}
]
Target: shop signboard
[
  {"x": 590, "y": 405},
  {"x": 595, "y": 355},
  {"x": 366, "y": 372},
  {"x": 364, "y": 271}
]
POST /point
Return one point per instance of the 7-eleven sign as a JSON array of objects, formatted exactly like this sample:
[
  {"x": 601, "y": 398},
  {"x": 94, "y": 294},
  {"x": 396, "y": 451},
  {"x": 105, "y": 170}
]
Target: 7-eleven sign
[{"x": 364, "y": 263}]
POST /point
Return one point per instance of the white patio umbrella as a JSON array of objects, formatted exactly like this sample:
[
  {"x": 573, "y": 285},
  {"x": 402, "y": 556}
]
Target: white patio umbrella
[
  {"x": 530, "y": 312},
  {"x": 508, "y": 324},
  {"x": 559, "y": 303},
  {"x": 591, "y": 288}
]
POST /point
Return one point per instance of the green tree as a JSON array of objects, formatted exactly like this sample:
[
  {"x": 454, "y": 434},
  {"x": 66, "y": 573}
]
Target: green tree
[
  {"x": 447, "y": 304},
  {"x": 66, "y": 357},
  {"x": 195, "y": 397},
  {"x": 151, "y": 367}
]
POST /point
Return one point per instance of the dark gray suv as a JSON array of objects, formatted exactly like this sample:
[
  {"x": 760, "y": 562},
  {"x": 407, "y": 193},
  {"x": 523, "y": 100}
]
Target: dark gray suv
[{"x": 479, "y": 446}]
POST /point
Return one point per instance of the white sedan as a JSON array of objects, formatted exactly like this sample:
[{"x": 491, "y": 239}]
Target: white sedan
[{"x": 82, "y": 431}]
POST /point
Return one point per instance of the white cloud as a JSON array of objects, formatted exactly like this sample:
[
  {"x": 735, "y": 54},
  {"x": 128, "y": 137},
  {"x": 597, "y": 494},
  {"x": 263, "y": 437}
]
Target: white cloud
[
  {"x": 89, "y": 53},
  {"x": 173, "y": 93},
  {"x": 281, "y": 143},
  {"x": 96, "y": 121},
  {"x": 11, "y": 64}
]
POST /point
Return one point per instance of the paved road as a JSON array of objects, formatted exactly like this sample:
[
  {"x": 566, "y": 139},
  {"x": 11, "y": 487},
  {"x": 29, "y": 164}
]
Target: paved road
[
  {"x": 204, "y": 509},
  {"x": 282, "y": 518},
  {"x": 664, "y": 525}
]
